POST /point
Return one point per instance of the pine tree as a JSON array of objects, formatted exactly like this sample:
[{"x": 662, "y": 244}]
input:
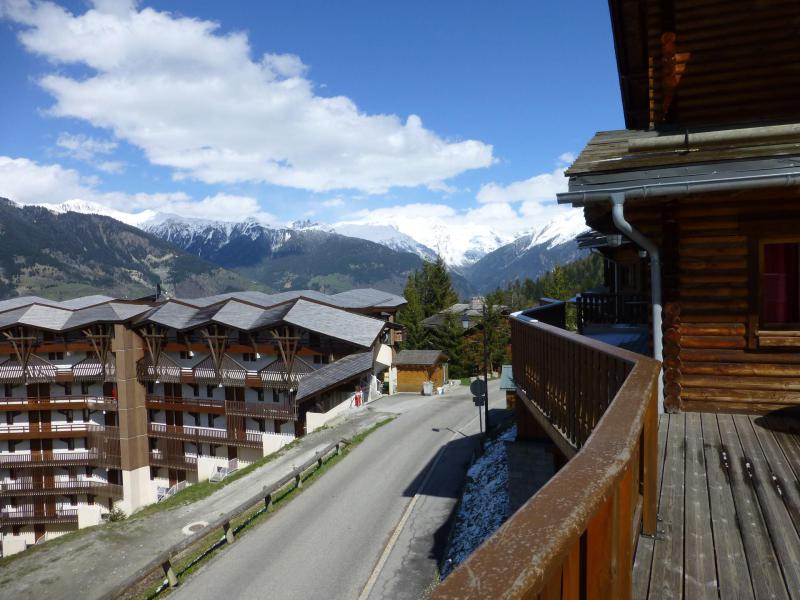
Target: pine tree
[
  {"x": 449, "y": 338},
  {"x": 411, "y": 316},
  {"x": 435, "y": 287}
]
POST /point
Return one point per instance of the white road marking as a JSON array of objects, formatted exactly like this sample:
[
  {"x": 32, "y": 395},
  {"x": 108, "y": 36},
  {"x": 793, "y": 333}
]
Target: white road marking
[{"x": 406, "y": 514}]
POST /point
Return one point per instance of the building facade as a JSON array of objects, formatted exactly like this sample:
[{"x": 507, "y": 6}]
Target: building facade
[{"x": 111, "y": 404}]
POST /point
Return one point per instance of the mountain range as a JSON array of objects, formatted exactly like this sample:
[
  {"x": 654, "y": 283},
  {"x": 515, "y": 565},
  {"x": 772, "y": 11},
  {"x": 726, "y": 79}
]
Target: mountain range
[{"x": 211, "y": 256}]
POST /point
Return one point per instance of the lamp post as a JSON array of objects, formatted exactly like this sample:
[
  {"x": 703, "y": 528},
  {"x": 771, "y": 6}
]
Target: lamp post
[{"x": 486, "y": 367}]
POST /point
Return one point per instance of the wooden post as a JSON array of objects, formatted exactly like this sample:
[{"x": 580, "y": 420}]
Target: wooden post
[
  {"x": 169, "y": 573},
  {"x": 298, "y": 480},
  {"x": 650, "y": 475}
]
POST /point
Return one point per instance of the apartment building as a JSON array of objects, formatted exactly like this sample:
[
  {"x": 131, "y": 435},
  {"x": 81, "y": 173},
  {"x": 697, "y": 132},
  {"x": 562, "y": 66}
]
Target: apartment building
[{"x": 114, "y": 404}]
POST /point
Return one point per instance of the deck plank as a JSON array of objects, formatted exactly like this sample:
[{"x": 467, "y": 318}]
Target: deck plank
[
  {"x": 700, "y": 578},
  {"x": 782, "y": 452},
  {"x": 765, "y": 572},
  {"x": 643, "y": 559},
  {"x": 666, "y": 574},
  {"x": 780, "y": 527},
  {"x": 733, "y": 574}
]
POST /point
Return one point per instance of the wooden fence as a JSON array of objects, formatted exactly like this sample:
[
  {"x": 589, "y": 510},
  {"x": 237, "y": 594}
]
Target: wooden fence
[{"x": 575, "y": 538}]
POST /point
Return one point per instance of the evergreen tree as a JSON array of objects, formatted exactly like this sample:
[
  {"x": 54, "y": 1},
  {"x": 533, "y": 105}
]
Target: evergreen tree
[
  {"x": 435, "y": 287},
  {"x": 449, "y": 338},
  {"x": 411, "y": 316}
]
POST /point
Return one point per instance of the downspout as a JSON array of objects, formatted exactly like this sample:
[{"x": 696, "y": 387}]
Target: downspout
[{"x": 618, "y": 216}]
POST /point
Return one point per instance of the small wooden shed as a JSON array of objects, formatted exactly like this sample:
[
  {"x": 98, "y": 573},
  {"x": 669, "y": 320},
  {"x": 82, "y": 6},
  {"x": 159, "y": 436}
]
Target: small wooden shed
[{"x": 415, "y": 367}]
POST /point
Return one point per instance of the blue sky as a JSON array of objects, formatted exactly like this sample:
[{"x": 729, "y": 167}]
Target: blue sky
[{"x": 503, "y": 89}]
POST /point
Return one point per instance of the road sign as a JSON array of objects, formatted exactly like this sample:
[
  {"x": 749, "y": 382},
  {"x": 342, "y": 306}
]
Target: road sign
[
  {"x": 478, "y": 400},
  {"x": 478, "y": 387}
]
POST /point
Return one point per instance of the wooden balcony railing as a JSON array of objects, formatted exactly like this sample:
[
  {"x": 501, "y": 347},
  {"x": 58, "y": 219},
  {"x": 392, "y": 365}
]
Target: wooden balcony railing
[
  {"x": 262, "y": 410},
  {"x": 576, "y": 536},
  {"x": 48, "y": 430},
  {"x": 59, "y": 402},
  {"x": 610, "y": 309},
  {"x": 211, "y": 435},
  {"x": 173, "y": 461},
  {"x": 44, "y": 459},
  {"x": 200, "y": 405},
  {"x": 29, "y": 515},
  {"x": 60, "y": 487}
]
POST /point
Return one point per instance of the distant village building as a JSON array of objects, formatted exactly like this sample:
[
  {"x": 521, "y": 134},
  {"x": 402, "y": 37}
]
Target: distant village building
[
  {"x": 110, "y": 403},
  {"x": 468, "y": 314},
  {"x": 415, "y": 367}
]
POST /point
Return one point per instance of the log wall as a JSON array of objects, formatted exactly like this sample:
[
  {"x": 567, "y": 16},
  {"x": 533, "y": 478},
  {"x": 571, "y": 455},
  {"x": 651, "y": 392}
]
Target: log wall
[{"x": 709, "y": 311}]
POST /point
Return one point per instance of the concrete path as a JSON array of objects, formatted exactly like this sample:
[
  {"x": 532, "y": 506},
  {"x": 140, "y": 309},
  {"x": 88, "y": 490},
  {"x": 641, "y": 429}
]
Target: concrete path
[
  {"x": 97, "y": 560},
  {"x": 377, "y": 519}
]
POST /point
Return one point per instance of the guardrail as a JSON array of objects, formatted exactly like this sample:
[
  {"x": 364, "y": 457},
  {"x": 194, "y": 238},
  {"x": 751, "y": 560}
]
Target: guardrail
[
  {"x": 79, "y": 401},
  {"x": 576, "y": 536},
  {"x": 167, "y": 560}
]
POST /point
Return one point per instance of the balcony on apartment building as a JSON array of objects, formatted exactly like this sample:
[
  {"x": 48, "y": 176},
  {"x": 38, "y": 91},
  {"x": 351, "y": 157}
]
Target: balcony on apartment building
[
  {"x": 169, "y": 460},
  {"x": 73, "y": 402},
  {"x": 261, "y": 410},
  {"x": 98, "y": 457},
  {"x": 34, "y": 515},
  {"x": 42, "y": 430},
  {"x": 209, "y": 435},
  {"x": 48, "y": 487}
]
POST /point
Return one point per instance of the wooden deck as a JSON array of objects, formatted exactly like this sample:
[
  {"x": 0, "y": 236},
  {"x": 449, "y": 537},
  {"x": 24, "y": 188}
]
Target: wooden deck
[{"x": 729, "y": 509}]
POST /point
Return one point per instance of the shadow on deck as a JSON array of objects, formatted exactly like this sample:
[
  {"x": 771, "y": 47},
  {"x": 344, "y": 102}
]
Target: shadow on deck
[{"x": 729, "y": 509}]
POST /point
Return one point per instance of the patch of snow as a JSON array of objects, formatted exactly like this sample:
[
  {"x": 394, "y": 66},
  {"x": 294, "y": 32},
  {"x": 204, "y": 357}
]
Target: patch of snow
[
  {"x": 93, "y": 208},
  {"x": 484, "y": 503},
  {"x": 386, "y": 235}
]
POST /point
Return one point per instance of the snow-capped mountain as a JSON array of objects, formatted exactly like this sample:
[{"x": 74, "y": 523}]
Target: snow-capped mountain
[
  {"x": 93, "y": 208},
  {"x": 531, "y": 255},
  {"x": 386, "y": 235}
]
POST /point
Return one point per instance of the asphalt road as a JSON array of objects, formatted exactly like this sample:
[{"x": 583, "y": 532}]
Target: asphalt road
[{"x": 360, "y": 524}]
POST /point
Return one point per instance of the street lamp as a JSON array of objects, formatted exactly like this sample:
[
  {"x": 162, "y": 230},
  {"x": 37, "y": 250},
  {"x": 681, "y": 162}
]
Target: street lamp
[
  {"x": 485, "y": 367},
  {"x": 465, "y": 320}
]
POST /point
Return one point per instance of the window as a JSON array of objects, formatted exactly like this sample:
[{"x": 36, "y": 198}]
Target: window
[
  {"x": 90, "y": 499},
  {"x": 8, "y": 390},
  {"x": 780, "y": 285},
  {"x": 210, "y": 391},
  {"x": 68, "y": 389},
  {"x": 85, "y": 415},
  {"x": 184, "y": 354},
  {"x": 248, "y": 357},
  {"x": 195, "y": 390},
  {"x": 9, "y": 418},
  {"x": 775, "y": 300},
  {"x": 151, "y": 388},
  {"x": 210, "y": 420},
  {"x": 85, "y": 388},
  {"x": 260, "y": 393},
  {"x": 73, "y": 500},
  {"x": 55, "y": 356},
  {"x": 89, "y": 472},
  {"x": 70, "y": 444},
  {"x": 69, "y": 415}
]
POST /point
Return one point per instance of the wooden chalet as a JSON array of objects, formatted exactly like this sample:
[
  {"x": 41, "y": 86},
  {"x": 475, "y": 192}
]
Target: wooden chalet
[{"x": 695, "y": 207}]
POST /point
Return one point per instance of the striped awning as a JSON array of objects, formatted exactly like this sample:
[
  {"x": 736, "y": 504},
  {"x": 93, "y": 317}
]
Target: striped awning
[
  {"x": 275, "y": 373},
  {"x": 166, "y": 371},
  {"x": 90, "y": 369},
  {"x": 230, "y": 373},
  {"x": 39, "y": 371}
]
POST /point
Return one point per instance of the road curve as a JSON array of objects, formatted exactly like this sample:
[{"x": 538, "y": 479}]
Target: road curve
[{"x": 326, "y": 542}]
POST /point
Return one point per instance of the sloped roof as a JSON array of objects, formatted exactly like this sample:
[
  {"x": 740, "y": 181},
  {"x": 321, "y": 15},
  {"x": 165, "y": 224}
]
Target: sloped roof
[
  {"x": 419, "y": 357},
  {"x": 312, "y": 310},
  {"x": 334, "y": 322},
  {"x": 334, "y": 374}
]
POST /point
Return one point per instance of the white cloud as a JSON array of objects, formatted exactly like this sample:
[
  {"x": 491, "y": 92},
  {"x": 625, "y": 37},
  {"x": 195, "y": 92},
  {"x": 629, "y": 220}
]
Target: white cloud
[
  {"x": 111, "y": 166},
  {"x": 194, "y": 99},
  {"x": 83, "y": 147},
  {"x": 333, "y": 203},
  {"x": 28, "y": 182},
  {"x": 539, "y": 188}
]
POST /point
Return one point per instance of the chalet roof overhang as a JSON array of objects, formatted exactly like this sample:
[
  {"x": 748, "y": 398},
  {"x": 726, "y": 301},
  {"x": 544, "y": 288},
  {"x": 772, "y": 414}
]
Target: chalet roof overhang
[{"x": 684, "y": 179}]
